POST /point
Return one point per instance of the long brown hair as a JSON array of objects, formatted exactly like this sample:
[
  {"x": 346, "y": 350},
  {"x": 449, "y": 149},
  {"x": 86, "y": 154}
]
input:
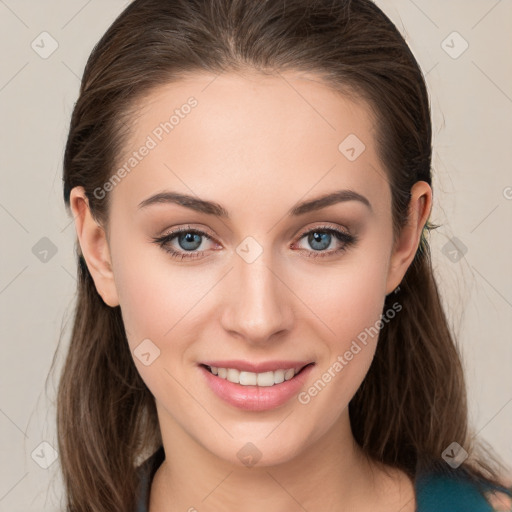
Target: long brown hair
[{"x": 106, "y": 416}]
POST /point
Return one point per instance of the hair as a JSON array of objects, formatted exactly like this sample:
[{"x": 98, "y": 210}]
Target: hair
[{"x": 106, "y": 415}]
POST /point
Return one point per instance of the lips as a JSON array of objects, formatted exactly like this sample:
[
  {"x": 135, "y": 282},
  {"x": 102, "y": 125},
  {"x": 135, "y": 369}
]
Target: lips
[{"x": 254, "y": 397}]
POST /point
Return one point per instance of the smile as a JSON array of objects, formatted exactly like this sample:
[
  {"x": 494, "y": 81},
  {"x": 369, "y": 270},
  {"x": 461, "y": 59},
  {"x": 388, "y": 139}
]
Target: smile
[
  {"x": 251, "y": 391},
  {"x": 264, "y": 379}
]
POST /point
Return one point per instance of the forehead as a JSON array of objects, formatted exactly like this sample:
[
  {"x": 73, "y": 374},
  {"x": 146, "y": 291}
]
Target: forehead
[{"x": 288, "y": 135}]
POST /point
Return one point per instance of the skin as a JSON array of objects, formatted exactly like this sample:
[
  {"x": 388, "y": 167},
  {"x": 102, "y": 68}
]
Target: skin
[
  {"x": 257, "y": 146},
  {"x": 499, "y": 500}
]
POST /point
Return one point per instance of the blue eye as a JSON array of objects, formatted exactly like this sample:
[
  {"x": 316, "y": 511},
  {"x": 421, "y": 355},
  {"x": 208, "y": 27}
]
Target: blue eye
[
  {"x": 319, "y": 239},
  {"x": 188, "y": 239}
]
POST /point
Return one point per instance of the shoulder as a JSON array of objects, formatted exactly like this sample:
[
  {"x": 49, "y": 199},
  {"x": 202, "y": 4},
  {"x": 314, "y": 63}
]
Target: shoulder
[{"x": 454, "y": 492}]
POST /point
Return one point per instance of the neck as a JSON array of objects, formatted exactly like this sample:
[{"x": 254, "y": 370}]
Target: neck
[{"x": 330, "y": 474}]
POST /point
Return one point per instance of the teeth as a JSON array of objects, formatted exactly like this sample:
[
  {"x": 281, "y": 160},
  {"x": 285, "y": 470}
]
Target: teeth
[{"x": 253, "y": 379}]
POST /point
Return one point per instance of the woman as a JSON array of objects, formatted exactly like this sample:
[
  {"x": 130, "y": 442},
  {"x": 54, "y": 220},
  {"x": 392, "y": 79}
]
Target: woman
[{"x": 257, "y": 322}]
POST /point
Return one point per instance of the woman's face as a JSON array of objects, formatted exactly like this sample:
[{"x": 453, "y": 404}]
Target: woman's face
[{"x": 261, "y": 275}]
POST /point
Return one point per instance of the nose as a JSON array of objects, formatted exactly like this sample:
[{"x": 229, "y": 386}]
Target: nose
[{"x": 258, "y": 307}]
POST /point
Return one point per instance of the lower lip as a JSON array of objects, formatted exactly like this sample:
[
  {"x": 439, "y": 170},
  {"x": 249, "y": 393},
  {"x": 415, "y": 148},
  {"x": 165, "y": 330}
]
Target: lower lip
[{"x": 256, "y": 398}]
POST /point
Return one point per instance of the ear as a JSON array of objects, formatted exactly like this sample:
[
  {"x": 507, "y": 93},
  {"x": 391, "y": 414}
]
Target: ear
[
  {"x": 94, "y": 246},
  {"x": 408, "y": 241}
]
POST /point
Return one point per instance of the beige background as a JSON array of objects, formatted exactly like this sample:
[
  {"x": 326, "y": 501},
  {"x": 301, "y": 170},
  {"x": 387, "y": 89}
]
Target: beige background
[{"x": 472, "y": 113}]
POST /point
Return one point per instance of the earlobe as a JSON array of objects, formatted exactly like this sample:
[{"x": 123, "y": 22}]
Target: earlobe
[
  {"x": 94, "y": 247},
  {"x": 406, "y": 245}
]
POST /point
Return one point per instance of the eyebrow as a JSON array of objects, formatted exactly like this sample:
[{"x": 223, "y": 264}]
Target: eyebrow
[{"x": 213, "y": 208}]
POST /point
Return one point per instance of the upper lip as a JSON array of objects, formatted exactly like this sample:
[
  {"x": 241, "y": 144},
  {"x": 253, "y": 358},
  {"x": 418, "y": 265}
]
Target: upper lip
[{"x": 265, "y": 366}]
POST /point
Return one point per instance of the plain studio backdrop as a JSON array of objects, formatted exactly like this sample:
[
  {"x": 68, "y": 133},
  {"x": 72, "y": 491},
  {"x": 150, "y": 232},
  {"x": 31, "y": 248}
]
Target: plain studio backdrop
[{"x": 464, "y": 48}]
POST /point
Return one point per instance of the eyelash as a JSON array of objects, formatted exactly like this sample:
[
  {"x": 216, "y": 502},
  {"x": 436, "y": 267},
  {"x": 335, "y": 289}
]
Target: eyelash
[{"x": 347, "y": 239}]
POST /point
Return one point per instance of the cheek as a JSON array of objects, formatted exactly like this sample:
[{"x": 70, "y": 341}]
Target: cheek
[
  {"x": 350, "y": 304},
  {"x": 158, "y": 304},
  {"x": 155, "y": 294},
  {"x": 170, "y": 307},
  {"x": 350, "y": 299},
  {"x": 353, "y": 313},
  {"x": 142, "y": 304}
]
